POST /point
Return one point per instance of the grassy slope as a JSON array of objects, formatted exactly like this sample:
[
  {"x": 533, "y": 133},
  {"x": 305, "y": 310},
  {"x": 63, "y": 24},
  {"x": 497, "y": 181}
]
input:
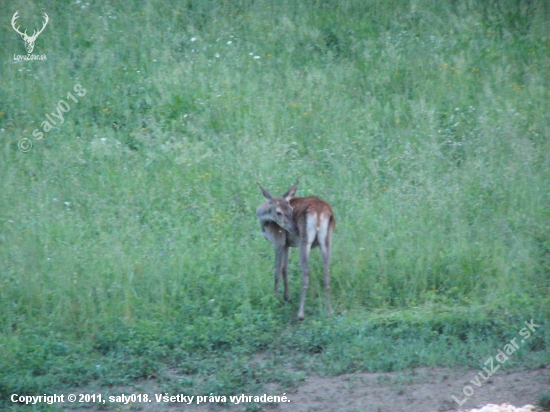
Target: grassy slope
[{"x": 128, "y": 240}]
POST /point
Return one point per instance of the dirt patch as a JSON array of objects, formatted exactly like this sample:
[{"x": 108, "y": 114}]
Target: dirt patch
[
  {"x": 422, "y": 390},
  {"x": 419, "y": 390}
]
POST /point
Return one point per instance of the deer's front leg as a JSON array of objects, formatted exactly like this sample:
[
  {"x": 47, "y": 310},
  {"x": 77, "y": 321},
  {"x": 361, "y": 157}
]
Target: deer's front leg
[
  {"x": 279, "y": 266},
  {"x": 286, "y": 254}
]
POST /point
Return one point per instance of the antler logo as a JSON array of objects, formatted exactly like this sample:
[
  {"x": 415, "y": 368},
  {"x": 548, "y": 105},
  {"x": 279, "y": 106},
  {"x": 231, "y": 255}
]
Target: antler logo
[{"x": 29, "y": 40}]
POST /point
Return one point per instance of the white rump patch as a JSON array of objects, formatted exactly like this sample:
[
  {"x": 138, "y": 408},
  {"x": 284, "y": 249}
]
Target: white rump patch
[
  {"x": 322, "y": 230},
  {"x": 311, "y": 228}
]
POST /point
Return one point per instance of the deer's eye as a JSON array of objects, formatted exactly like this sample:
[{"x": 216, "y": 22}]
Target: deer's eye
[{"x": 279, "y": 213}]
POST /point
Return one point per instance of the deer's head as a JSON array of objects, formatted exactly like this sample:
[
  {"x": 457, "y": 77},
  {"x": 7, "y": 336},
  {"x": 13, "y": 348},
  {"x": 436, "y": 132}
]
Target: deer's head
[
  {"x": 29, "y": 40},
  {"x": 280, "y": 210}
]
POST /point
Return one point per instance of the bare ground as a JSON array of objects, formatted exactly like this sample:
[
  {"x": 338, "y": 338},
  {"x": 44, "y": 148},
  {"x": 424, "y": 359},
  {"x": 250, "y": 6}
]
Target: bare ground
[{"x": 419, "y": 390}]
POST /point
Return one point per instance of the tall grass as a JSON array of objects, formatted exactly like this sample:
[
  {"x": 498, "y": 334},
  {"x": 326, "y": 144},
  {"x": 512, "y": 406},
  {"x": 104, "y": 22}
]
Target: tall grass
[{"x": 425, "y": 124}]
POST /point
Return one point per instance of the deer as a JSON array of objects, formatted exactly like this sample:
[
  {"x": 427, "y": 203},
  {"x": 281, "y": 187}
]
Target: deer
[
  {"x": 300, "y": 222},
  {"x": 29, "y": 40}
]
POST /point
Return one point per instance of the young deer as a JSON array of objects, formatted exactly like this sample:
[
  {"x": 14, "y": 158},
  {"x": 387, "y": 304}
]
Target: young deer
[{"x": 301, "y": 222}]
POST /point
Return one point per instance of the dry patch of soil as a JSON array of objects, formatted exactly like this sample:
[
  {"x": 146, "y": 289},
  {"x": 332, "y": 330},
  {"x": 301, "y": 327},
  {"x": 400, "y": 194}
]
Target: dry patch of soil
[{"x": 420, "y": 390}]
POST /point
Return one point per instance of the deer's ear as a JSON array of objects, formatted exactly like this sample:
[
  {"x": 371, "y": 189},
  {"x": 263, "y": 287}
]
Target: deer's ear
[
  {"x": 266, "y": 194},
  {"x": 289, "y": 194}
]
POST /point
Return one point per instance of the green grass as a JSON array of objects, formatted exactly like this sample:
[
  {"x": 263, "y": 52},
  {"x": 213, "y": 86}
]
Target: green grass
[{"x": 128, "y": 238}]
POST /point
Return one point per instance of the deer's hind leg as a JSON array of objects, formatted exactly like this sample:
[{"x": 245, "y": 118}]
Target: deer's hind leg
[
  {"x": 324, "y": 238},
  {"x": 307, "y": 236}
]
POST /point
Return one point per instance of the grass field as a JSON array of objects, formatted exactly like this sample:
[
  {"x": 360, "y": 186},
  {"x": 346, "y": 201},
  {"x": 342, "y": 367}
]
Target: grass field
[{"x": 128, "y": 238}]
